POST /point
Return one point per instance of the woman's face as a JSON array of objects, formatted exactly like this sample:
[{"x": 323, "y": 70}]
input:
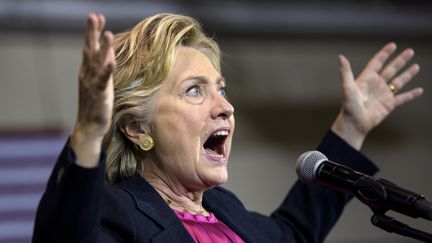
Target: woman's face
[{"x": 193, "y": 124}]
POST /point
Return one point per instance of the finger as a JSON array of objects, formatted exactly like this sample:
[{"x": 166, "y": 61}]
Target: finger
[
  {"x": 105, "y": 46},
  {"x": 394, "y": 66},
  {"x": 101, "y": 20},
  {"x": 86, "y": 56},
  {"x": 99, "y": 23},
  {"x": 91, "y": 26},
  {"x": 345, "y": 70},
  {"x": 377, "y": 62},
  {"x": 408, "y": 96},
  {"x": 111, "y": 57},
  {"x": 406, "y": 76},
  {"x": 105, "y": 75}
]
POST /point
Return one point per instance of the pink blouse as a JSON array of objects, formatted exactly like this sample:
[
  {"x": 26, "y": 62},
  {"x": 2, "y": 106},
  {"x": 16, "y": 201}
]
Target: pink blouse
[{"x": 205, "y": 229}]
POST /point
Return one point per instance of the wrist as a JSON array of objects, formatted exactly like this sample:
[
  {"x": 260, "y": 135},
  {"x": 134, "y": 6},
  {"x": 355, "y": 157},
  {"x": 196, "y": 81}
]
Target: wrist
[
  {"x": 346, "y": 129},
  {"x": 87, "y": 148}
]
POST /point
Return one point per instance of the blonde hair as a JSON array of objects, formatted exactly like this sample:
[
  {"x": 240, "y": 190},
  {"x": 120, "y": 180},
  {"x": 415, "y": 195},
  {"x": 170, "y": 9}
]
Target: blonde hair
[{"x": 145, "y": 55}]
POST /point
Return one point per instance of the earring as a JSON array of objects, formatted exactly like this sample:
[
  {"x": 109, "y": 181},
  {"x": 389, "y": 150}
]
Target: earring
[{"x": 146, "y": 142}]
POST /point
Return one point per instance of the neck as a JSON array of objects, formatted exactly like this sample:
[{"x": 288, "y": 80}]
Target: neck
[{"x": 176, "y": 196}]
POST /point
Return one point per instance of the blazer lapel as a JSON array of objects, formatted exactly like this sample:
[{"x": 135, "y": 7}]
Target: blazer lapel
[
  {"x": 235, "y": 217},
  {"x": 151, "y": 204}
]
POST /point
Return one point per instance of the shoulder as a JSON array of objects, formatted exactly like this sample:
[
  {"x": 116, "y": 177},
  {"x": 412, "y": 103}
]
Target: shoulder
[
  {"x": 118, "y": 209},
  {"x": 122, "y": 219},
  {"x": 116, "y": 198}
]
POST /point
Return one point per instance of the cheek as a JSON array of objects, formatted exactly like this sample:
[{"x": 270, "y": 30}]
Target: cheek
[{"x": 177, "y": 134}]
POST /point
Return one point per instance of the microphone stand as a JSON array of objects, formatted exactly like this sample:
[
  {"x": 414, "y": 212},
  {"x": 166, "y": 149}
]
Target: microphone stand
[
  {"x": 373, "y": 194},
  {"x": 392, "y": 225}
]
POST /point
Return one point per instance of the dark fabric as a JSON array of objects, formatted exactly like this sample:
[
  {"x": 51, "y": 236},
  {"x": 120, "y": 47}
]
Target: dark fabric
[
  {"x": 71, "y": 202},
  {"x": 77, "y": 207}
]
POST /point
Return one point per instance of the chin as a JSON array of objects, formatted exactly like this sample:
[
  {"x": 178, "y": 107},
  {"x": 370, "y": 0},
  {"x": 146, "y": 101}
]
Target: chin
[{"x": 217, "y": 178}]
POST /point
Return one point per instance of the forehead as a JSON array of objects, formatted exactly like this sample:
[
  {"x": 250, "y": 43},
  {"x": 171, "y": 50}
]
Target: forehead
[{"x": 191, "y": 62}]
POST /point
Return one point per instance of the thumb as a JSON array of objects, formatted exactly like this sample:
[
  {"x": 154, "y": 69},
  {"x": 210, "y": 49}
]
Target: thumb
[{"x": 345, "y": 71}]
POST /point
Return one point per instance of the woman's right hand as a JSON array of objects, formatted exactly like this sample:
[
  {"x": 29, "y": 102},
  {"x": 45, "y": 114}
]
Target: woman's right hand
[{"x": 96, "y": 93}]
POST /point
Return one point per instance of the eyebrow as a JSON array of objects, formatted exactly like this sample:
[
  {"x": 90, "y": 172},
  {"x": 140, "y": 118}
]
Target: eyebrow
[{"x": 219, "y": 80}]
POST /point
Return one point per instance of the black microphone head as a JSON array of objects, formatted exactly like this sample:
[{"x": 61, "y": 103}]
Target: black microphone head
[{"x": 307, "y": 165}]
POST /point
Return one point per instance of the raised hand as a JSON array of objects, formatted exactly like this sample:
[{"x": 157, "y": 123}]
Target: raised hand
[
  {"x": 370, "y": 98},
  {"x": 95, "y": 92}
]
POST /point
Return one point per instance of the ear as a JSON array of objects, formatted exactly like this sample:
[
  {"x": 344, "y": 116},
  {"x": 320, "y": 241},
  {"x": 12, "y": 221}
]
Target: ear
[{"x": 134, "y": 130}]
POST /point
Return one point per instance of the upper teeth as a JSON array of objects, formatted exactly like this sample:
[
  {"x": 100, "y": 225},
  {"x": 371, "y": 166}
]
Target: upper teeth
[{"x": 220, "y": 133}]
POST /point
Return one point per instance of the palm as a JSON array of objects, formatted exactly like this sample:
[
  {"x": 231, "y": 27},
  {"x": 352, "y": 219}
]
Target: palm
[{"x": 370, "y": 100}]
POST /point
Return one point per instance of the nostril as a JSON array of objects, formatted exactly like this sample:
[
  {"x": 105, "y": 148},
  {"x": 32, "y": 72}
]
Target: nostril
[
  {"x": 222, "y": 107},
  {"x": 226, "y": 112}
]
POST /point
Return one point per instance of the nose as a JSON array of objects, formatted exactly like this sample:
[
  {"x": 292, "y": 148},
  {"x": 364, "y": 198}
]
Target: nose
[{"x": 222, "y": 108}]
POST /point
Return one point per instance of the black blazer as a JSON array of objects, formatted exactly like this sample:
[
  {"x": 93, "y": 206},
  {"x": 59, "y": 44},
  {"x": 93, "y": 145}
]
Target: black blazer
[{"x": 78, "y": 207}]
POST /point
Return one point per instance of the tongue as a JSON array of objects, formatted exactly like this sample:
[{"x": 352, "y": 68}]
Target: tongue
[{"x": 210, "y": 151}]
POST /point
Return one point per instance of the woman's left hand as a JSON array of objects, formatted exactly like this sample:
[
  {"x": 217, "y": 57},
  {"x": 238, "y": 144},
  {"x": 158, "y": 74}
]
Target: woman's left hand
[{"x": 369, "y": 99}]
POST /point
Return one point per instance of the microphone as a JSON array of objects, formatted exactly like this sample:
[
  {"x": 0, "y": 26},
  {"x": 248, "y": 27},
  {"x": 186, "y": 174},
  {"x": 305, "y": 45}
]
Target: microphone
[{"x": 379, "y": 194}]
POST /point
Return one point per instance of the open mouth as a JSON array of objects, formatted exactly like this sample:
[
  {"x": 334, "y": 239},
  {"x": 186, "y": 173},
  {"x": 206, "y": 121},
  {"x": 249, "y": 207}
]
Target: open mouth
[{"x": 215, "y": 145}]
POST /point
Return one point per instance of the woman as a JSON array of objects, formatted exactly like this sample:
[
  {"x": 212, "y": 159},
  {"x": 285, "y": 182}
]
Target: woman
[{"x": 155, "y": 99}]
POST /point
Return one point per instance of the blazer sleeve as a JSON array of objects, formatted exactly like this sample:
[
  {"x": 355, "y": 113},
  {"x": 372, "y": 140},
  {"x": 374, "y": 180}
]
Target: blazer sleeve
[
  {"x": 309, "y": 211},
  {"x": 70, "y": 208}
]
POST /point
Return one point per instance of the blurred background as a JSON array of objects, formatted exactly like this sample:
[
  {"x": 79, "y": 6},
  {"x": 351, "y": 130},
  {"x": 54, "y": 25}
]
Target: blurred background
[{"x": 280, "y": 60}]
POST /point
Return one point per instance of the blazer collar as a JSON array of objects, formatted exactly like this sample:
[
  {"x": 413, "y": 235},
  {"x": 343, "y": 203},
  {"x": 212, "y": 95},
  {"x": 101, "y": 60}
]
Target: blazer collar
[
  {"x": 150, "y": 203},
  {"x": 236, "y": 217}
]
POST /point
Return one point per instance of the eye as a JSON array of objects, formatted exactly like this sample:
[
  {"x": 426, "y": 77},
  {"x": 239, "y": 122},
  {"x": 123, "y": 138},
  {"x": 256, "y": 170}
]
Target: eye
[
  {"x": 222, "y": 91},
  {"x": 194, "y": 91}
]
